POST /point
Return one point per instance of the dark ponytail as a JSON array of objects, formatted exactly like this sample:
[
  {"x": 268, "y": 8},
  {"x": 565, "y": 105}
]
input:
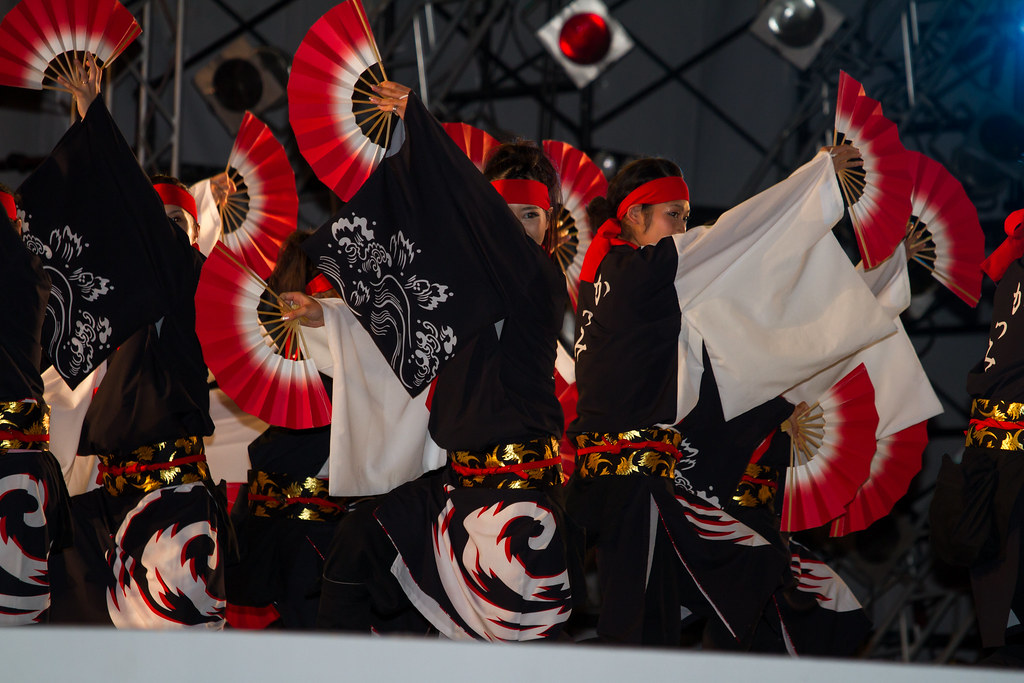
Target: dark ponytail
[
  {"x": 293, "y": 269},
  {"x": 599, "y": 210}
]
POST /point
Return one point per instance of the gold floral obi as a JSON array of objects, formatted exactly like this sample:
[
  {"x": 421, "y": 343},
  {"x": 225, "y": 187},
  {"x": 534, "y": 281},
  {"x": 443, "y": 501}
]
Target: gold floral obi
[
  {"x": 646, "y": 452},
  {"x": 532, "y": 464},
  {"x": 996, "y": 424},
  {"x": 24, "y": 425},
  {"x": 155, "y": 466},
  {"x": 285, "y": 496},
  {"x": 757, "y": 487}
]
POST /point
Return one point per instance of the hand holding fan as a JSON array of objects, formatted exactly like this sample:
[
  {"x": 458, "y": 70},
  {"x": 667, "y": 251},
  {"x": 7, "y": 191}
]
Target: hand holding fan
[
  {"x": 41, "y": 39},
  {"x": 943, "y": 233},
  {"x": 259, "y": 360},
  {"x": 263, "y": 208},
  {"x": 339, "y": 131},
  {"x": 581, "y": 181},
  {"x": 830, "y": 455},
  {"x": 878, "y": 194}
]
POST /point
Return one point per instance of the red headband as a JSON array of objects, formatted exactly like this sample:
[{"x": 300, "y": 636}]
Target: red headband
[
  {"x": 518, "y": 191},
  {"x": 7, "y": 201},
  {"x": 172, "y": 194},
  {"x": 1010, "y": 250},
  {"x": 667, "y": 189}
]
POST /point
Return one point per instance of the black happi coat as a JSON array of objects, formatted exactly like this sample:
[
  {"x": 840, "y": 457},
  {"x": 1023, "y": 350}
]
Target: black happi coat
[
  {"x": 33, "y": 479},
  {"x": 999, "y": 375},
  {"x": 124, "y": 280},
  {"x": 977, "y": 502},
  {"x": 628, "y": 325},
  {"x": 281, "y": 559},
  {"x": 28, "y": 288},
  {"x": 426, "y": 254},
  {"x": 626, "y": 353},
  {"x": 113, "y": 258},
  {"x": 155, "y": 387},
  {"x": 501, "y": 388}
]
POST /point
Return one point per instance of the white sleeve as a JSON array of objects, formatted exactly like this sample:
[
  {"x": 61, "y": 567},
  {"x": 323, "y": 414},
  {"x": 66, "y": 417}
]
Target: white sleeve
[
  {"x": 318, "y": 348},
  {"x": 903, "y": 394},
  {"x": 889, "y": 282},
  {"x": 771, "y": 293},
  {"x": 67, "y": 414},
  {"x": 379, "y": 436},
  {"x": 210, "y": 225}
]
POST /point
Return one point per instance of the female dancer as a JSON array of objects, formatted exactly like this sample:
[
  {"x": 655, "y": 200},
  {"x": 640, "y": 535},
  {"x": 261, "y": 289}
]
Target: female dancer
[
  {"x": 481, "y": 544},
  {"x": 664, "y": 327},
  {"x": 148, "y": 546},
  {"x": 284, "y": 519},
  {"x": 978, "y": 509}
]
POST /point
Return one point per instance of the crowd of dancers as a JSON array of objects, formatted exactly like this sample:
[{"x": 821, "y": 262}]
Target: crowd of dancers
[{"x": 439, "y": 500}]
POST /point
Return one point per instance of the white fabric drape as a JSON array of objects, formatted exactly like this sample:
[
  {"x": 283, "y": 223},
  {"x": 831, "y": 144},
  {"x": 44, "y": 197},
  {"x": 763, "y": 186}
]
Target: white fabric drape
[
  {"x": 379, "y": 436},
  {"x": 210, "y": 224},
  {"x": 771, "y": 293},
  {"x": 903, "y": 394}
]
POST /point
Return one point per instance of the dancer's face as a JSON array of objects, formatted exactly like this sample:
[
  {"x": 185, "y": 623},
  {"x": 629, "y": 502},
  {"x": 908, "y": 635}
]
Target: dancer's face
[
  {"x": 534, "y": 220},
  {"x": 183, "y": 219},
  {"x": 667, "y": 218}
]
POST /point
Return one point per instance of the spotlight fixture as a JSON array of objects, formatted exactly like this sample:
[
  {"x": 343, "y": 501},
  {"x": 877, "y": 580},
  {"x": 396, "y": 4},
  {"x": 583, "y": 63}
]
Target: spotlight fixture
[
  {"x": 797, "y": 29},
  {"x": 585, "y": 40},
  {"x": 242, "y": 78}
]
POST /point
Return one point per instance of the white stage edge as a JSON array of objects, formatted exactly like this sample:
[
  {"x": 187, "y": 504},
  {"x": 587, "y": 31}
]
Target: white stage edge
[{"x": 82, "y": 655}]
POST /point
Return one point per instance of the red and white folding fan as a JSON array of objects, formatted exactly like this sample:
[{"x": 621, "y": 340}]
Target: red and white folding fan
[
  {"x": 477, "y": 144},
  {"x": 339, "y": 131},
  {"x": 848, "y": 92},
  {"x": 878, "y": 194},
  {"x": 37, "y": 35},
  {"x": 830, "y": 456},
  {"x": 943, "y": 233},
  {"x": 259, "y": 360},
  {"x": 897, "y": 461},
  {"x": 264, "y": 208},
  {"x": 581, "y": 181}
]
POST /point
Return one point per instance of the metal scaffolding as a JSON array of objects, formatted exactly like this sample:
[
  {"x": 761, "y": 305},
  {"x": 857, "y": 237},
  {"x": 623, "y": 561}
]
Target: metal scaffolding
[{"x": 157, "y": 101}]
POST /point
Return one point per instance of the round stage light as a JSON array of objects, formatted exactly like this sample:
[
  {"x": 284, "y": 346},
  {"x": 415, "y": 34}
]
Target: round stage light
[
  {"x": 585, "y": 38},
  {"x": 237, "y": 84},
  {"x": 796, "y": 23}
]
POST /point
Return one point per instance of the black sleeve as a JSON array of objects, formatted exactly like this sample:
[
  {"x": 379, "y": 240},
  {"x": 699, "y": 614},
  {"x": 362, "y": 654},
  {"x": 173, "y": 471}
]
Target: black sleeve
[
  {"x": 116, "y": 263},
  {"x": 27, "y": 288}
]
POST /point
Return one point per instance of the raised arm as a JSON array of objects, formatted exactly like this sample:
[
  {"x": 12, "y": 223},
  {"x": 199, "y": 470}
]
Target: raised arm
[{"x": 85, "y": 86}]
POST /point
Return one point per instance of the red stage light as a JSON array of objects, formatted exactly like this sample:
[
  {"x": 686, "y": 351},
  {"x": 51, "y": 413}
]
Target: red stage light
[{"x": 585, "y": 38}]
